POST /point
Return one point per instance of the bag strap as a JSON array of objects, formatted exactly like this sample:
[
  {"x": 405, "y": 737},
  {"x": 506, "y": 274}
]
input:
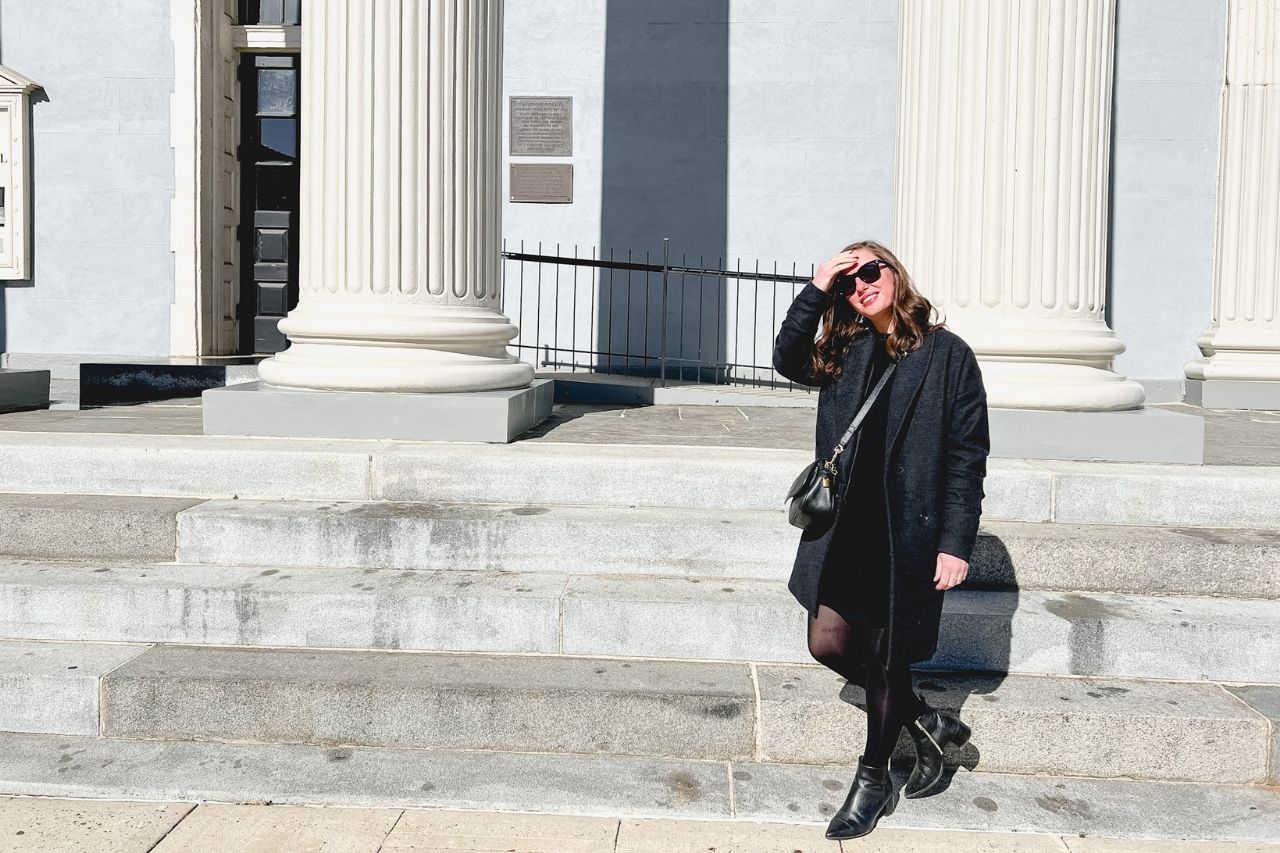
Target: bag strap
[{"x": 860, "y": 416}]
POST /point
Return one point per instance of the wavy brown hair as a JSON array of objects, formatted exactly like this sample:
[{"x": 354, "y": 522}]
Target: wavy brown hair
[{"x": 912, "y": 320}]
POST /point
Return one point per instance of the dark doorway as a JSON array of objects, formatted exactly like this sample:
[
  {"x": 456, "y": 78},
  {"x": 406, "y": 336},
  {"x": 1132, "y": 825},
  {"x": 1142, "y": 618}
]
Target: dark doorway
[{"x": 269, "y": 86}]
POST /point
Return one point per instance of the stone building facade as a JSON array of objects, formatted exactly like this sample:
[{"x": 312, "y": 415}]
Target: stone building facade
[{"x": 1088, "y": 188}]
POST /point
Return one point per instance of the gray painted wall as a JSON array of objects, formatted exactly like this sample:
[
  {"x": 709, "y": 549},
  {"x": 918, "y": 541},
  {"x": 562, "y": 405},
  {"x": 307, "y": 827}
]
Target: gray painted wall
[
  {"x": 810, "y": 145},
  {"x": 780, "y": 149},
  {"x": 103, "y": 181},
  {"x": 1170, "y": 57}
]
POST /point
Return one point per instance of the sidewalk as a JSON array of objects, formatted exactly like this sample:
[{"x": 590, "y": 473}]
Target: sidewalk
[{"x": 80, "y": 826}]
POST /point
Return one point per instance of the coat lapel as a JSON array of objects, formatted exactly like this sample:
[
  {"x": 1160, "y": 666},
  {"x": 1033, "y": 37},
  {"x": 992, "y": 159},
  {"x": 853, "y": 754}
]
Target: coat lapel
[{"x": 908, "y": 379}]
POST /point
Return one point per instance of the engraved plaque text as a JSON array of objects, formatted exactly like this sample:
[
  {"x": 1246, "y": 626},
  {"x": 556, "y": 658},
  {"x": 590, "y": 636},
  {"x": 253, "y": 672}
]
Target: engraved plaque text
[
  {"x": 541, "y": 127},
  {"x": 550, "y": 183}
]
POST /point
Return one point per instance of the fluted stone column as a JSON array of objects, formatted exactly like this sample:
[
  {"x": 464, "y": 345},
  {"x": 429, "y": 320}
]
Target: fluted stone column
[
  {"x": 401, "y": 201},
  {"x": 1240, "y": 367},
  {"x": 1002, "y": 184}
]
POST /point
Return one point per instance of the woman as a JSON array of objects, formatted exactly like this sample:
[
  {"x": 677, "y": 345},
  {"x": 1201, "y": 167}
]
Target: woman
[{"x": 910, "y": 494}]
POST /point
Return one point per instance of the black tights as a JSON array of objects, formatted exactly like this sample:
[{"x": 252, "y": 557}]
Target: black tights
[{"x": 855, "y": 651}]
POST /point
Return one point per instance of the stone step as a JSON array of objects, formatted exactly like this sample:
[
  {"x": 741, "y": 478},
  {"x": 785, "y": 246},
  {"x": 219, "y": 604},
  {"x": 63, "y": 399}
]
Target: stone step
[
  {"x": 705, "y": 543},
  {"x": 52, "y": 688},
  {"x": 548, "y": 473},
  {"x": 96, "y": 768},
  {"x": 670, "y": 709},
  {"x": 1185, "y": 638},
  {"x": 89, "y": 526}
]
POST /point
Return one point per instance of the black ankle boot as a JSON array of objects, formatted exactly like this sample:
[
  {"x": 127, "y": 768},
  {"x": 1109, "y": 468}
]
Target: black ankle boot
[
  {"x": 871, "y": 797},
  {"x": 932, "y": 731}
]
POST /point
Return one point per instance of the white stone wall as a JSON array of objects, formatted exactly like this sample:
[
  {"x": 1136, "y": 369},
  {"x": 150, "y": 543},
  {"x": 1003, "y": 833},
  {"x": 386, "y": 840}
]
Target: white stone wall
[{"x": 102, "y": 278}]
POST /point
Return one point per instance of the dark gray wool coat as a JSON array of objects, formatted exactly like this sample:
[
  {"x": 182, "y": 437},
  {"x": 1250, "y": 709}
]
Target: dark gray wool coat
[{"x": 935, "y": 461}]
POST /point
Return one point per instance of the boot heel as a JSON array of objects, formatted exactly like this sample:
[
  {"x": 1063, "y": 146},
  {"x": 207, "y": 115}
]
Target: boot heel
[{"x": 890, "y": 806}]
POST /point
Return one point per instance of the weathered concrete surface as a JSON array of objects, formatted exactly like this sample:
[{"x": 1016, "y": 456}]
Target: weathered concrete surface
[
  {"x": 683, "y": 618},
  {"x": 1103, "y": 728},
  {"x": 238, "y": 605},
  {"x": 301, "y": 774},
  {"x": 89, "y": 526},
  {"x": 648, "y": 836},
  {"x": 280, "y": 829},
  {"x": 1266, "y": 701},
  {"x": 1127, "y": 558},
  {"x": 39, "y": 825},
  {"x": 705, "y": 543},
  {"x": 662, "y": 709},
  {"x": 53, "y": 687},
  {"x": 622, "y": 475},
  {"x": 513, "y": 538},
  {"x": 1133, "y": 845},
  {"x": 1172, "y": 495},
  {"x": 1181, "y": 638},
  {"x": 1184, "y": 638},
  {"x": 420, "y": 831},
  {"x": 1005, "y": 802},
  {"x": 183, "y": 466}
]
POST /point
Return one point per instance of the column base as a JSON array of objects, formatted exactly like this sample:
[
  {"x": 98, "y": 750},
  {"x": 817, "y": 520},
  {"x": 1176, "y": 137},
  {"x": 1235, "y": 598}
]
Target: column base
[
  {"x": 1234, "y": 394},
  {"x": 399, "y": 348},
  {"x": 1145, "y": 435},
  {"x": 1061, "y": 387},
  {"x": 23, "y": 389},
  {"x": 264, "y": 410}
]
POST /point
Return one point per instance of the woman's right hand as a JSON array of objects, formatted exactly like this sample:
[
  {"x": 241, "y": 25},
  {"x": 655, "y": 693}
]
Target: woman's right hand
[{"x": 827, "y": 272}]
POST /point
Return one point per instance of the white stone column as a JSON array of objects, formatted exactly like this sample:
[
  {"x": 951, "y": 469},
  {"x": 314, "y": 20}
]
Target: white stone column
[
  {"x": 401, "y": 201},
  {"x": 1242, "y": 345},
  {"x": 1004, "y": 124}
]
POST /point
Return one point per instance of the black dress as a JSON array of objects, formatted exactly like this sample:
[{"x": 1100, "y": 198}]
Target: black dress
[{"x": 855, "y": 578}]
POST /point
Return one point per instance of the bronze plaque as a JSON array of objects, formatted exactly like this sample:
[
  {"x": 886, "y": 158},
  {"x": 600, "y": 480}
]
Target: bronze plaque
[
  {"x": 550, "y": 183},
  {"x": 541, "y": 126}
]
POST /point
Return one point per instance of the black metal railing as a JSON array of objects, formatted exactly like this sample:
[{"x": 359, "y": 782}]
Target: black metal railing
[{"x": 687, "y": 322}]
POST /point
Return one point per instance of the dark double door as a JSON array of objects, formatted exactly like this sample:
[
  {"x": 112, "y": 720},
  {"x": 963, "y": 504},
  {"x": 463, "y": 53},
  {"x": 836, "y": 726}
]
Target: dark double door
[{"x": 269, "y": 137}]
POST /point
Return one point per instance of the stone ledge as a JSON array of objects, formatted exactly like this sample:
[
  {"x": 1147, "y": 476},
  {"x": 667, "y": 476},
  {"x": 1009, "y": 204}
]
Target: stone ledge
[
  {"x": 1233, "y": 394},
  {"x": 1144, "y": 435},
  {"x": 258, "y": 409}
]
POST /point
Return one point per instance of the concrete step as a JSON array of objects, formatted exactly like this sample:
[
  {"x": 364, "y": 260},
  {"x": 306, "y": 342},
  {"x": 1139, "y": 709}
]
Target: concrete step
[
  {"x": 61, "y": 766},
  {"x": 702, "y": 543},
  {"x": 546, "y": 473},
  {"x": 53, "y": 687},
  {"x": 670, "y": 709},
  {"x": 1185, "y": 638},
  {"x": 89, "y": 526}
]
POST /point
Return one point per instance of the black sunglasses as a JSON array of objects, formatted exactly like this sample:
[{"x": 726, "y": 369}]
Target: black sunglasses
[{"x": 868, "y": 272}]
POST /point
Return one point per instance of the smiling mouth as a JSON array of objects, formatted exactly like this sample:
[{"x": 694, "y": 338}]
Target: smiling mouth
[{"x": 868, "y": 299}]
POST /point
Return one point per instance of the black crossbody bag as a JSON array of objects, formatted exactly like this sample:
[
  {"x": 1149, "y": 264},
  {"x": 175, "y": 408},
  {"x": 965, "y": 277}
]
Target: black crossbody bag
[{"x": 811, "y": 500}]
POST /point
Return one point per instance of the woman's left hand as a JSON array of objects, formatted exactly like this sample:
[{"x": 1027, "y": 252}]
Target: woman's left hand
[{"x": 951, "y": 571}]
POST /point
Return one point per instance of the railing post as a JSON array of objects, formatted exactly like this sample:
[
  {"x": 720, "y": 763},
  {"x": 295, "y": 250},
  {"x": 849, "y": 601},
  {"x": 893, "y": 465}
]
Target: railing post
[{"x": 662, "y": 351}]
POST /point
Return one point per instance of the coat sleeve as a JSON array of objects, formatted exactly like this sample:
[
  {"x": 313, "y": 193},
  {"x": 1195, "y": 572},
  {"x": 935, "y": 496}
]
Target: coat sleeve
[
  {"x": 968, "y": 442},
  {"x": 793, "y": 349}
]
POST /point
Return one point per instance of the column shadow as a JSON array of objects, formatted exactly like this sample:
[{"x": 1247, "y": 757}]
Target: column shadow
[{"x": 664, "y": 175}]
